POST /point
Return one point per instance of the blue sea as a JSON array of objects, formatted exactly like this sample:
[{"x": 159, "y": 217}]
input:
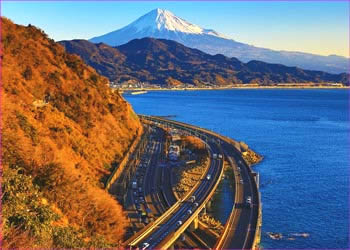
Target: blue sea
[{"x": 304, "y": 138}]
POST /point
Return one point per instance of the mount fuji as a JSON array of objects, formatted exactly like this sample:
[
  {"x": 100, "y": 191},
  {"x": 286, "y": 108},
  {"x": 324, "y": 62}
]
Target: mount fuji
[{"x": 160, "y": 23}]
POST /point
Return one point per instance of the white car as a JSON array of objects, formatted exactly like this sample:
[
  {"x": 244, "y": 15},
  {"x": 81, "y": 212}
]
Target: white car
[
  {"x": 144, "y": 245},
  {"x": 193, "y": 198},
  {"x": 179, "y": 223},
  {"x": 249, "y": 199}
]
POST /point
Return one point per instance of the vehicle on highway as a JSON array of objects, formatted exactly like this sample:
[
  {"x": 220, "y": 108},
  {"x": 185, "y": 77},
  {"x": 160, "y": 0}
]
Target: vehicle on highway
[
  {"x": 189, "y": 211},
  {"x": 192, "y": 198},
  {"x": 183, "y": 237},
  {"x": 144, "y": 246},
  {"x": 179, "y": 223},
  {"x": 215, "y": 156},
  {"x": 134, "y": 184},
  {"x": 195, "y": 204},
  {"x": 241, "y": 181},
  {"x": 208, "y": 177},
  {"x": 249, "y": 201},
  {"x": 220, "y": 156}
]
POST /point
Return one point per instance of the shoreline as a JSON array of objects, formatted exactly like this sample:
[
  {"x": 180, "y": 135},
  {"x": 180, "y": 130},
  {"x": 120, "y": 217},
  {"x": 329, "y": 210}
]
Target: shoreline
[{"x": 240, "y": 87}]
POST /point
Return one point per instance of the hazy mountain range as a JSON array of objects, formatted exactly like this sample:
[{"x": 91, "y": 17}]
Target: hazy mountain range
[
  {"x": 163, "y": 24},
  {"x": 166, "y": 62}
]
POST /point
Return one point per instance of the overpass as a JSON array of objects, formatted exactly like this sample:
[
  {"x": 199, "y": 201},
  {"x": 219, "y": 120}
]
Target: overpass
[{"x": 243, "y": 223}]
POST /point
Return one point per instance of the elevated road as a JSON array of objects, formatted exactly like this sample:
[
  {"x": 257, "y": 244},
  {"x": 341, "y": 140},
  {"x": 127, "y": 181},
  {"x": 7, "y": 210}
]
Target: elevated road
[{"x": 240, "y": 230}]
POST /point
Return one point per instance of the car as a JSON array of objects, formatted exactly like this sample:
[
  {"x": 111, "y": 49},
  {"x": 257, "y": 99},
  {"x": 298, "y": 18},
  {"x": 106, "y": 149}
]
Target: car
[
  {"x": 189, "y": 211},
  {"x": 241, "y": 181},
  {"x": 249, "y": 202},
  {"x": 192, "y": 198},
  {"x": 208, "y": 177},
  {"x": 179, "y": 223},
  {"x": 144, "y": 245},
  {"x": 195, "y": 204},
  {"x": 182, "y": 237},
  {"x": 239, "y": 168},
  {"x": 220, "y": 156}
]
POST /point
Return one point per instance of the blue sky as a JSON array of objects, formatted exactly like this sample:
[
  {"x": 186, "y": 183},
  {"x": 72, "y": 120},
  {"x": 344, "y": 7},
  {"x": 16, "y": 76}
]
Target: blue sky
[{"x": 315, "y": 27}]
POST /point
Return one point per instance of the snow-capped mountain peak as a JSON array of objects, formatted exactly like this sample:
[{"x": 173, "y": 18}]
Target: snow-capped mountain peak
[{"x": 164, "y": 20}]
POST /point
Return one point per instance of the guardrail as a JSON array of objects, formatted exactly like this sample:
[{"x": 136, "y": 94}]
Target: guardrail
[
  {"x": 220, "y": 242},
  {"x": 257, "y": 236}
]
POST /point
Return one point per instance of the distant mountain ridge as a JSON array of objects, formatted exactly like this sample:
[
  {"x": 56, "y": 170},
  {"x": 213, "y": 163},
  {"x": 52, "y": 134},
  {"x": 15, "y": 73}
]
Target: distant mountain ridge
[
  {"x": 163, "y": 24},
  {"x": 166, "y": 62}
]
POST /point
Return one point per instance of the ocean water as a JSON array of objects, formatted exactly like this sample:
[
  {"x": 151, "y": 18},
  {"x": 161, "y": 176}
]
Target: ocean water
[{"x": 304, "y": 138}]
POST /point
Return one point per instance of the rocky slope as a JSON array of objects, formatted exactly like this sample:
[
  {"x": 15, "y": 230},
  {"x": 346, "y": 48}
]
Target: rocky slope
[
  {"x": 61, "y": 128},
  {"x": 166, "y": 62}
]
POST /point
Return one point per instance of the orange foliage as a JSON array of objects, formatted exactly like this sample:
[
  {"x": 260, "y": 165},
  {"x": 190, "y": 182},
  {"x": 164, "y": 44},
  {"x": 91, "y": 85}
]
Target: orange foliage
[
  {"x": 79, "y": 126},
  {"x": 194, "y": 143}
]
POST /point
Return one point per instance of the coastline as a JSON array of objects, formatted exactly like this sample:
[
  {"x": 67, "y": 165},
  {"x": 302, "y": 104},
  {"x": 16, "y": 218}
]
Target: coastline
[{"x": 238, "y": 87}]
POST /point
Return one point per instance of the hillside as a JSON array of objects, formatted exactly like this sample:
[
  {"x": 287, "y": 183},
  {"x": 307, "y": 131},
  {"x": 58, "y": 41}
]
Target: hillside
[
  {"x": 62, "y": 127},
  {"x": 167, "y": 62}
]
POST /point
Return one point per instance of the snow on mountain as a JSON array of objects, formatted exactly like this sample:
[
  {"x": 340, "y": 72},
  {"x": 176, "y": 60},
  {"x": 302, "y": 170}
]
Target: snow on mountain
[
  {"x": 159, "y": 19},
  {"x": 157, "y": 23},
  {"x": 160, "y": 23}
]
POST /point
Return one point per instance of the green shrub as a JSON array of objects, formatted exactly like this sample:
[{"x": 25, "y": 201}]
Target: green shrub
[
  {"x": 27, "y": 128},
  {"x": 24, "y": 206}
]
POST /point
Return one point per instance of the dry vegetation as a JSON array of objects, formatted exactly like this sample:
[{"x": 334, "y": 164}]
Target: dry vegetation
[
  {"x": 251, "y": 157},
  {"x": 61, "y": 129},
  {"x": 186, "y": 176},
  {"x": 212, "y": 223}
]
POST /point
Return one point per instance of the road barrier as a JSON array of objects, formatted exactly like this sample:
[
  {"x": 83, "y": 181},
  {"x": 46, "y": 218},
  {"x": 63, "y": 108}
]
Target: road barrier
[{"x": 220, "y": 242}]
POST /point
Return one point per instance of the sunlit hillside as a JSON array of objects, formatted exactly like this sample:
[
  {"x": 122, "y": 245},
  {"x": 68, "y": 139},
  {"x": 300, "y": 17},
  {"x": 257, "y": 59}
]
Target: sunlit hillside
[{"x": 62, "y": 127}]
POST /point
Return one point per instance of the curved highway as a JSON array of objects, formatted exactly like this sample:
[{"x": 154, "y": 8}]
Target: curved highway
[{"x": 241, "y": 227}]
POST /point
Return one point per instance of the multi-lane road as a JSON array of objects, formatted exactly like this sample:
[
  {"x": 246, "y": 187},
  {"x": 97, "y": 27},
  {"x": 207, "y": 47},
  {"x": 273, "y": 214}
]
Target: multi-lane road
[{"x": 177, "y": 215}]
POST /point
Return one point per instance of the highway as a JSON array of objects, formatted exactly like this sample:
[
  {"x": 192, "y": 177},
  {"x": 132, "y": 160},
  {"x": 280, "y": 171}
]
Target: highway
[
  {"x": 182, "y": 213},
  {"x": 241, "y": 226},
  {"x": 158, "y": 191}
]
